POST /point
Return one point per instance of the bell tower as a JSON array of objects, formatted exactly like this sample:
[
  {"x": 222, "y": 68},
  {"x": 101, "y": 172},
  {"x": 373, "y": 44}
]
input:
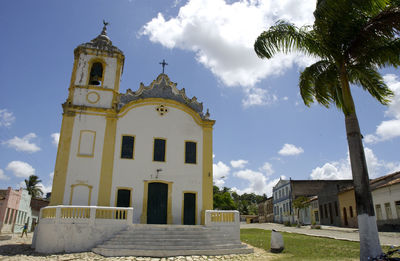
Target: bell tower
[{"x": 96, "y": 74}]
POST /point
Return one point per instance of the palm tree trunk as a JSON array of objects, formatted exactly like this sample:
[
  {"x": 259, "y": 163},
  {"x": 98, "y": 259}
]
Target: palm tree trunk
[
  {"x": 369, "y": 237},
  {"x": 368, "y": 230}
]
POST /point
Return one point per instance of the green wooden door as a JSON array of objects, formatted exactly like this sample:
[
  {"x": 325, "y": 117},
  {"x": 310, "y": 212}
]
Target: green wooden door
[
  {"x": 157, "y": 203},
  {"x": 189, "y": 209}
]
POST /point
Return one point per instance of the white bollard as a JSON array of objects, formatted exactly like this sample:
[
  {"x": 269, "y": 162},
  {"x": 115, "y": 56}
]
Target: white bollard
[{"x": 276, "y": 242}]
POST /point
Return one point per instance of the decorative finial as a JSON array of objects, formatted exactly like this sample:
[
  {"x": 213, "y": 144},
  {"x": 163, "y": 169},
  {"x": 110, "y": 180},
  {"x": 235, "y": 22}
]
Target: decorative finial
[
  {"x": 104, "y": 31},
  {"x": 207, "y": 114},
  {"x": 163, "y": 65}
]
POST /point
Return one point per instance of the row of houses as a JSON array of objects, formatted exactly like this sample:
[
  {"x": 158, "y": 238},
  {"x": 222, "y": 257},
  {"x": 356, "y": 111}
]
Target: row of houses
[
  {"x": 17, "y": 207},
  {"x": 332, "y": 202}
]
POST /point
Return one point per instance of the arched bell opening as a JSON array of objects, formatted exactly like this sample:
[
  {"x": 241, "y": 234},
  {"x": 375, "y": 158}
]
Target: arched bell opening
[{"x": 96, "y": 74}]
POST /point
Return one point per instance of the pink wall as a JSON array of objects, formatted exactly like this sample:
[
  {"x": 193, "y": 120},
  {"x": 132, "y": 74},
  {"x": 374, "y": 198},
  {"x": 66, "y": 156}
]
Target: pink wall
[{"x": 11, "y": 201}]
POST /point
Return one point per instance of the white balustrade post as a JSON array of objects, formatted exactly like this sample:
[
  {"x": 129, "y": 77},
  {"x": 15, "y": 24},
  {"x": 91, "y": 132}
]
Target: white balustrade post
[
  {"x": 58, "y": 214},
  {"x": 208, "y": 218},
  {"x": 129, "y": 218},
  {"x": 92, "y": 214}
]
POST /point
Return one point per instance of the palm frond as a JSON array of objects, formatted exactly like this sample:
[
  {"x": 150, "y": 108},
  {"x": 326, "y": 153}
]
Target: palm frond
[
  {"x": 370, "y": 80},
  {"x": 285, "y": 37},
  {"x": 319, "y": 82}
]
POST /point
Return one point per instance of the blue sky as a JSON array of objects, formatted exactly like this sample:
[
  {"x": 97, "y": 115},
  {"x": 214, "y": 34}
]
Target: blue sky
[{"x": 263, "y": 130}]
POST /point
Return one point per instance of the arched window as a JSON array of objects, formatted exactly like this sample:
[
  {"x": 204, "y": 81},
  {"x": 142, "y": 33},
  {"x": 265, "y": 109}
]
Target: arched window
[{"x": 96, "y": 74}]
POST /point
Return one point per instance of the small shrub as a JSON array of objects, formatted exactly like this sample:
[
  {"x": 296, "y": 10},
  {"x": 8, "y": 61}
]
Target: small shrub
[
  {"x": 315, "y": 227},
  {"x": 286, "y": 224}
]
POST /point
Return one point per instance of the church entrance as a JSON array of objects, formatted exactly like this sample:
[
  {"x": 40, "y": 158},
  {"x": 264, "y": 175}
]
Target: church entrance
[
  {"x": 157, "y": 203},
  {"x": 189, "y": 209}
]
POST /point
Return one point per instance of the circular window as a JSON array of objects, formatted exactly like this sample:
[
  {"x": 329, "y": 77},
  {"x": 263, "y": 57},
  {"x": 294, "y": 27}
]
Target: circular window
[{"x": 92, "y": 97}]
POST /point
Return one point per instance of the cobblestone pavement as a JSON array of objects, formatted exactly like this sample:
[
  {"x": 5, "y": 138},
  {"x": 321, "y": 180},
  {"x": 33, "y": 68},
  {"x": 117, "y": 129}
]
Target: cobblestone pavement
[
  {"x": 351, "y": 234},
  {"x": 18, "y": 248}
]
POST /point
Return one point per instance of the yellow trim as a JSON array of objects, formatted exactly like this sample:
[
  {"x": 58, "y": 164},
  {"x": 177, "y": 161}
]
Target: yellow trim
[
  {"x": 165, "y": 149},
  {"x": 143, "y": 217},
  {"x": 166, "y": 102},
  {"x": 145, "y": 102},
  {"x": 92, "y": 87},
  {"x": 107, "y": 163},
  {"x": 97, "y": 52},
  {"x": 117, "y": 79},
  {"x": 207, "y": 186},
  {"x": 183, "y": 204},
  {"x": 79, "y": 145},
  {"x": 73, "y": 78},
  {"x": 184, "y": 156},
  {"x": 134, "y": 143},
  {"x": 103, "y": 64},
  {"x": 80, "y": 184},
  {"x": 61, "y": 167},
  {"x": 96, "y": 99},
  {"x": 116, "y": 195}
]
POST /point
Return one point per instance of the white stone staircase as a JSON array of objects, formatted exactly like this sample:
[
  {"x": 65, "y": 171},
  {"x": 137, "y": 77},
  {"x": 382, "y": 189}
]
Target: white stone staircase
[{"x": 171, "y": 240}]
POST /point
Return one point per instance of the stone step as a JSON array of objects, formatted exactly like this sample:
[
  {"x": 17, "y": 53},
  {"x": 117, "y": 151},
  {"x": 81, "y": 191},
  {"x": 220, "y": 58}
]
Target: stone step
[
  {"x": 172, "y": 247},
  {"x": 173, "y": 242},
  {"x": 168, "y": 253},
  {"x": 166, "y": 236}
]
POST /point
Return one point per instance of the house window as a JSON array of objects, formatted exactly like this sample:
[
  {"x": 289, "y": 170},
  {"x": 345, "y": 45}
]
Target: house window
[
  {"x": 388, "y": 211},
  {"x": 287, "y": 191},
  {"x": 378, "y": 210},
  {"x": 397, "y": 204},
  {"x": 326, "y": 211},
  {"x": 159, "y": 150},
  {"x": 351, "y": 211},
  {"x": 316, "y": 216},
  {"x": 190, "y": 152},
  {"x": 96, "y": 74},
  {"x": 127, "y": 147}
]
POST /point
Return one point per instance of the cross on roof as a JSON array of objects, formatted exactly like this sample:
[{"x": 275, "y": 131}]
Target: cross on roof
[{"x": 163, "y": 65}]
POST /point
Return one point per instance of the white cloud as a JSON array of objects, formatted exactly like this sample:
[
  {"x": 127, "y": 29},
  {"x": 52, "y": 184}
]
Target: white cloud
[
  {"x": 267, "y": 168},
  {"x": 257, "y": 182},
  {"x": 222, "y": 36},
  {"x": 257, "y": 96},
  {"x": 45, "y": 189},
  {"x": 51, "y": 175},
  {"x": 20, "y": 169},
  {"x": 6, "y": 118},
  {"x": 290, "y": 149},
  {"x": 239, "y": 164},
  {"x": 220, "y": 173},
  {"x": 3, "y": 176},
  {"x": 55, "y": 138},
  {"x": 389, "y": 129},
  {"x": 23, "y": 144},
  {"x": 342, "y": 170}
]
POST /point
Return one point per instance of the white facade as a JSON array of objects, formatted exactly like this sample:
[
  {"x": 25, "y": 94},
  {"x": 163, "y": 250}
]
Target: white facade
[{"x": 387, "y": 202}]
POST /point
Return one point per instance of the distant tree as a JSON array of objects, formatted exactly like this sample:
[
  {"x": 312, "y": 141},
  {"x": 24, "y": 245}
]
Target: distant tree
[
  {"x": 300, "y": 203},
  {"x": 32, "y": 186},
  {"x": 223, "y": 199}
]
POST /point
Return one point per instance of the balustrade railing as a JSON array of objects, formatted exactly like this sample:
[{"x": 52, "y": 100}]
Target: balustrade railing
[{"x": 87, "y": 213}]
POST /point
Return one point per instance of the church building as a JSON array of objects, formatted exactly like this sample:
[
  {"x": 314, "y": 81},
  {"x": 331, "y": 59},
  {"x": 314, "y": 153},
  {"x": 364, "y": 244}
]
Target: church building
[{"x": 150, "y": 149}]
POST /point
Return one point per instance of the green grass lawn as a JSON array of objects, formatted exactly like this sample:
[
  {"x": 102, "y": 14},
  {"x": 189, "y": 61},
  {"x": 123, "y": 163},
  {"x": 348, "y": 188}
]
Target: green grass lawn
[{"x": 302, "y": 247}]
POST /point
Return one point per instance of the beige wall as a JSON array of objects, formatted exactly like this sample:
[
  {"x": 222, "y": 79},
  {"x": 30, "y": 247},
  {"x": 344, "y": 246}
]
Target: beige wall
[{"x": 347, "y": 201}]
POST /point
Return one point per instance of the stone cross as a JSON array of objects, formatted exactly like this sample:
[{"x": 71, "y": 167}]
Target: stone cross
[{"x": 163, "y": 65}]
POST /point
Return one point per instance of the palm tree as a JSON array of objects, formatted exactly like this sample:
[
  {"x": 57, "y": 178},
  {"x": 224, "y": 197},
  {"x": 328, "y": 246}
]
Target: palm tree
[
  {"x": 32, "y": 186},
  {"x": 351, "y": 39}
]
